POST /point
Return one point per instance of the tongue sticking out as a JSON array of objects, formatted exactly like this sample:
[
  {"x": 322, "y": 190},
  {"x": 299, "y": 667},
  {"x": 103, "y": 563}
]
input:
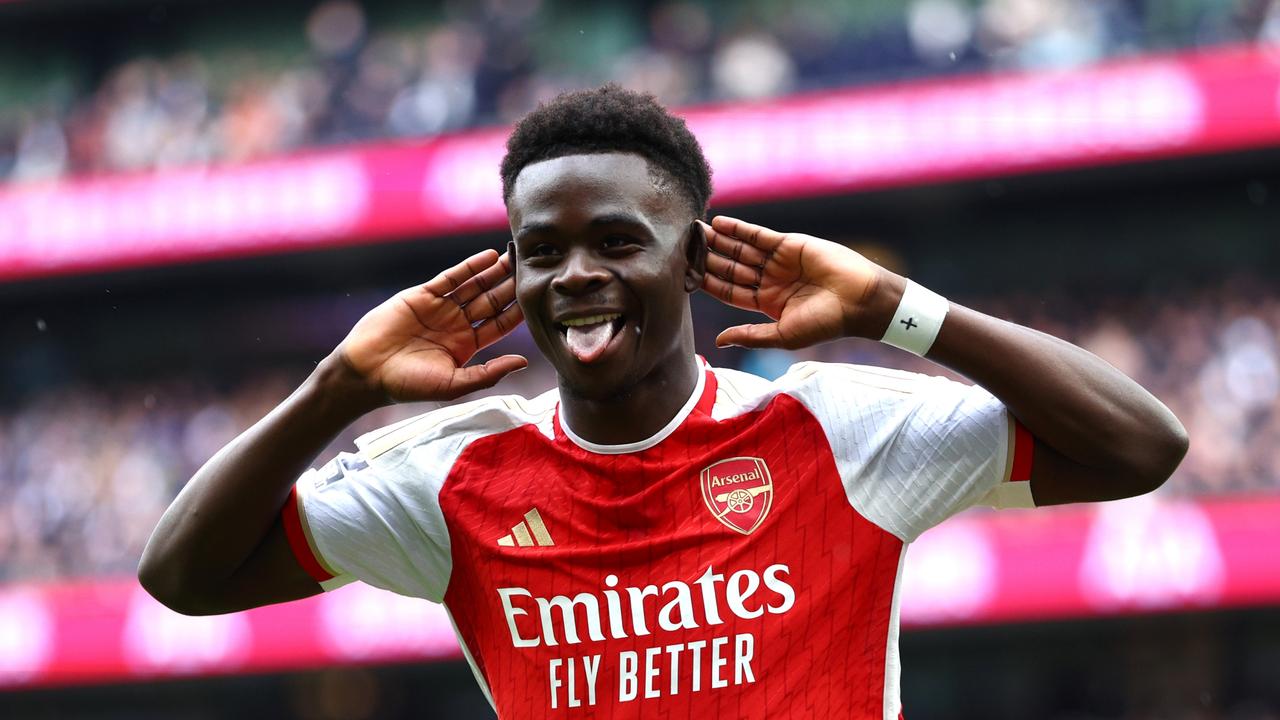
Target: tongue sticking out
[{"x": 588, "y": 341}]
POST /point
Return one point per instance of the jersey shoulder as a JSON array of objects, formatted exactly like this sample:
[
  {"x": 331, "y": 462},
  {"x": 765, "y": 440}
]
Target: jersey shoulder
[
  {"x": 462, "y": 422},
  {"x": 870, "y": 379},
  {"x": 819, "y": 385}
]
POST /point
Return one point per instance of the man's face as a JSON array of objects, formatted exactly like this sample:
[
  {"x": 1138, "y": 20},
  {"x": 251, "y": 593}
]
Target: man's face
[{"x": 605, "y": 261}]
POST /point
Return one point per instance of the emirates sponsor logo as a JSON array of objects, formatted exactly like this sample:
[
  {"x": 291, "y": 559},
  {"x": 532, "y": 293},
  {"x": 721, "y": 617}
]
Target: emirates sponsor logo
[
  {"x": 688, "y": 650},
  {"x": 624, "y": 612},
  {"x": 738, "y": 492}
]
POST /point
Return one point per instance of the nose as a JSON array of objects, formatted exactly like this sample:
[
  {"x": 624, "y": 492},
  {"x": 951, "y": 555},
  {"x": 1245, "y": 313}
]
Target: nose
[{"x": 579, "y": 274}]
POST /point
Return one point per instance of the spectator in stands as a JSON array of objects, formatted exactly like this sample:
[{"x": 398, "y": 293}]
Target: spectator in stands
[{"x": 491, "y": 62}]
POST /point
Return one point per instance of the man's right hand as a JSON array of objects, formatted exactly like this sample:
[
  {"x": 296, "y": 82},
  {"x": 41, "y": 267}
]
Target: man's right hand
[
  {"x": 221, "y": 546},
  {"x": 415, "y": 346}
]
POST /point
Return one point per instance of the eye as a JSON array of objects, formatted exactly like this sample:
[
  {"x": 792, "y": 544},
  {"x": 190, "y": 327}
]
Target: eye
[
  {"x": 542, "y": 250},
  {"x": 616, "y": 241}
]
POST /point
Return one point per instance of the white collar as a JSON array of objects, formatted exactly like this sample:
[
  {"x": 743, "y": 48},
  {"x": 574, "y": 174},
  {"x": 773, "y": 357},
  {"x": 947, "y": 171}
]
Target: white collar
[{"x": 650, "y": 441}]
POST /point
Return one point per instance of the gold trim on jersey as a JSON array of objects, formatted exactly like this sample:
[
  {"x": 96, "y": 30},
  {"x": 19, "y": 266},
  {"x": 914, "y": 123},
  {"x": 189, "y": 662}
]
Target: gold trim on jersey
[
  {"x": 391, "y": 437},
  {"x": 380, "y": 442}
]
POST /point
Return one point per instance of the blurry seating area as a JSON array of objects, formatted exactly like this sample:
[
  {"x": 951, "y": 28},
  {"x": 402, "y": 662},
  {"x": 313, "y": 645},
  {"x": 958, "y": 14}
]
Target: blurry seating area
[
  {"x": 86, "y": 470},
  {"x": 353, "y": 77}
]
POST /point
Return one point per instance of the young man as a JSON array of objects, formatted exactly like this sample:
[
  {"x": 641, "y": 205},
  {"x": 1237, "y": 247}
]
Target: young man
[{"x": 656, "y": 537}]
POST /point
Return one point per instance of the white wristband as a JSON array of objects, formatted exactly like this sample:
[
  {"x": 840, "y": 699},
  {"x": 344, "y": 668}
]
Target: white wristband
[{"x": 916, "y": 323}]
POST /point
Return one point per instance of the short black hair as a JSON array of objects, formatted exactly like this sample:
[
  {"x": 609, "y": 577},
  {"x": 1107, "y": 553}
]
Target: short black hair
[{"x": 607, "y": 119}]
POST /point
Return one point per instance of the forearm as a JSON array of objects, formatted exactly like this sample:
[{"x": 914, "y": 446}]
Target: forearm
[
  {"x": 227, "y": 508},
  {"x": 1071, "y": 400},
  {"x": 1102, "y": 435}
]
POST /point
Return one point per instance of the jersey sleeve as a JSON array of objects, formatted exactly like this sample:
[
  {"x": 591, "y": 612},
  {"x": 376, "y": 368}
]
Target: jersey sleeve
[
  {"x": 913, "y": 450},
  {"x": 375, "y": 521}
]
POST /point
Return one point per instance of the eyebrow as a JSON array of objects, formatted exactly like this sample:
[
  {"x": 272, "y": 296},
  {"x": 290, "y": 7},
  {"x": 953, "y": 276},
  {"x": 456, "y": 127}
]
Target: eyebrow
[{"x": 618, "y": 218}]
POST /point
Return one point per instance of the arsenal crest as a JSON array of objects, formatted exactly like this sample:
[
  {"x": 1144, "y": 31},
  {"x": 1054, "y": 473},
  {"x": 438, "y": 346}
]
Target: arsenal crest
[{"x": 738, "y": 492}]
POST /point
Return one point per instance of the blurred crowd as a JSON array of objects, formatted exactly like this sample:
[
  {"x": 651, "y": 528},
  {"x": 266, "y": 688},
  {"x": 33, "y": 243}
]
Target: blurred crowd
[
  {"x": 492, "y": 61},
  {"x": 1213, "y": 356},
  {"x": 86, "y": 471}
]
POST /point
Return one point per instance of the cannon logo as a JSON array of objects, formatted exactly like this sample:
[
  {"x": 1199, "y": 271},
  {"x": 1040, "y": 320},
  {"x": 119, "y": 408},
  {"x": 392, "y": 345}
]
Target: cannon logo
[{"x": 738, "y": 492}]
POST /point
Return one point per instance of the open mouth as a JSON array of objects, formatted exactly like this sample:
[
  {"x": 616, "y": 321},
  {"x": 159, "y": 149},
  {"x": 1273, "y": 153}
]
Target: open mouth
[{"x": 589, "y": 337}]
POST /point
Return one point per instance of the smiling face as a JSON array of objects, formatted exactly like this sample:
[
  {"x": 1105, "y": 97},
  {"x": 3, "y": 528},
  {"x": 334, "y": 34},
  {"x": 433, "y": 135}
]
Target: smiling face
[{"x": 605, "y": 261}]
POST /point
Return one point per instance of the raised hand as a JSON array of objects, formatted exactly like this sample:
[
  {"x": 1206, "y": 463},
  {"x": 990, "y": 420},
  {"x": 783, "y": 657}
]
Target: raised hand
[
  {"x": 814, "y": 290},
  {"x": 415, "y": 346}
]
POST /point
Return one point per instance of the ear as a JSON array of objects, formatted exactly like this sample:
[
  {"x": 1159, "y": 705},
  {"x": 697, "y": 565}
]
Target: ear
[
  {"x": 511, "y": 253},
  {"x": 695, "y": 254}
]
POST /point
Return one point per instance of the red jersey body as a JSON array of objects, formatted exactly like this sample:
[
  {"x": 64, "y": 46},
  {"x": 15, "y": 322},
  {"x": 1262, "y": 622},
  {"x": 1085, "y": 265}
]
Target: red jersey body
[{"x": 743, "y": 562}]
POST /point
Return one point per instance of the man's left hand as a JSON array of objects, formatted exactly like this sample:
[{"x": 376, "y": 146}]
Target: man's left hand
[{"x": 815, "y": 290}]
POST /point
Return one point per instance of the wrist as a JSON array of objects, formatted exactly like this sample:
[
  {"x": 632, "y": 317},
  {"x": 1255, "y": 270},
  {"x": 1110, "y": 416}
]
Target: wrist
[
  {"x": 341, "y": 391},
  {"x": 873, "y": 314}
]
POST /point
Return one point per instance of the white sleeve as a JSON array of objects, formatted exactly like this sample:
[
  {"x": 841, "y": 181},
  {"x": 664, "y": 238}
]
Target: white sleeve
[
  {"x": 379, "y": 522},
  {"x": 912, "y": 450},
  {"x": 375, "y": 515}
]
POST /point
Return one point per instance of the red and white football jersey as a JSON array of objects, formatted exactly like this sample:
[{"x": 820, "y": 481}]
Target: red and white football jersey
[{"x": 743, "y": 562}]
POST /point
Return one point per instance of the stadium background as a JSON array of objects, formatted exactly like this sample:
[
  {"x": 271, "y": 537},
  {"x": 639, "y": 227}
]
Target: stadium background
[{"x": 199, "y": 199}]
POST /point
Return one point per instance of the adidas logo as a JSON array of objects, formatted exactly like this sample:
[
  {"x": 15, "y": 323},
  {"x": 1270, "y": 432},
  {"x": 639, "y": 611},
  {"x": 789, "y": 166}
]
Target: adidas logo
[{"x": 528, "y": 535}]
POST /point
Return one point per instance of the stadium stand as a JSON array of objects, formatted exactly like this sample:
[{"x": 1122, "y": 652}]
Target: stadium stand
[
  {"x": 1166, "y": 268},
  {"x": 86, "y": 469},
  {"x": 342, "y": 74}
]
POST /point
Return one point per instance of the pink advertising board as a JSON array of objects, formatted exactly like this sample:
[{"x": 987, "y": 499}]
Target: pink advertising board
[
  {"x": 1136, "y": 556},
  {"x": 836, "y": 142}
]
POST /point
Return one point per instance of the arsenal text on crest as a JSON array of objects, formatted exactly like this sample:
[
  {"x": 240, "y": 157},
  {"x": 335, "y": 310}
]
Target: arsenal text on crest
[{"x": 738, "y": 491}]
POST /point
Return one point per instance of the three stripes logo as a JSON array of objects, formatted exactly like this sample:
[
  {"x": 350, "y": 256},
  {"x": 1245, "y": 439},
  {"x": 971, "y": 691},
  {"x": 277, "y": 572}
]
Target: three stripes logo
[{"x": 529, "y": 532}]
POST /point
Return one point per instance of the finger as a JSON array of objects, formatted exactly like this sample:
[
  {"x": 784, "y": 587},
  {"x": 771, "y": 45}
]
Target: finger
[
  {"x": 484, "y": 280},
  {"x": 491, "y": 302},
  {"x": 730, "y": 293},
  {"x": 734, "y": 248},
  {"x": 497, "y": 327},
  {"x": 735, "y": 272},
  {"x": 764, "y": 335},
  {"x": 757, "y": 235},
  {"x": 453, "y": 277},
  {"x": 478, "y": 377}
]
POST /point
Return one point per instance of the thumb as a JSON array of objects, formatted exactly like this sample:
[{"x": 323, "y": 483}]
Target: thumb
[
  {"x": 478, "y": 377},
  {"x": 764, "y": 335}
]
